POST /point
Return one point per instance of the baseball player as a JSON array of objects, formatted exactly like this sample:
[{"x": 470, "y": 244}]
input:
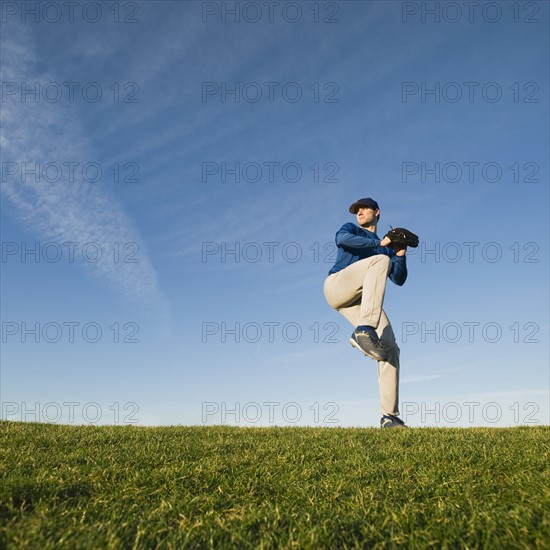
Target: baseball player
[{"x": 355, "y": 287}]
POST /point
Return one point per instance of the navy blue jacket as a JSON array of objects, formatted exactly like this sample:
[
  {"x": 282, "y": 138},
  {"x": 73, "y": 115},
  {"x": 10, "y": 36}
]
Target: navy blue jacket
[{"x": 355, "y": 243}]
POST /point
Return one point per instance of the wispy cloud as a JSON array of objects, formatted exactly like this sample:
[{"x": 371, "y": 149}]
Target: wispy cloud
[{"x": 76, "y": 211}]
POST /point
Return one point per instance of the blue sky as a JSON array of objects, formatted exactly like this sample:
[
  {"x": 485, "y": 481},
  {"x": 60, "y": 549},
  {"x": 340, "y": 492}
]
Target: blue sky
[{"x": 152, "y": 258}]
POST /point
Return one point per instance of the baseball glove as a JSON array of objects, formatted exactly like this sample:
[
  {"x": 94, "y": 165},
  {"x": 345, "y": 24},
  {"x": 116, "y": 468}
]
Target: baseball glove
[{"x": 402, "y": 237}]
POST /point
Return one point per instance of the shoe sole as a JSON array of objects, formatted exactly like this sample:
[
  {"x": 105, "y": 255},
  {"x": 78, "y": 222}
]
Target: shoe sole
[{"x": 356, "y": 345}]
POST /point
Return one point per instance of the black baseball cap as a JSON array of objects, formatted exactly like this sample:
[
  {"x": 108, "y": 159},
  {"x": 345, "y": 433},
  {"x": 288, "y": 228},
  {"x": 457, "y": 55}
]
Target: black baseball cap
[{"x": 363, "y": 203}]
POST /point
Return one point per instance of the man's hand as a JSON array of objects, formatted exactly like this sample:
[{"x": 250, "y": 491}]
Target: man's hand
[{"x": 400, "y": 249}]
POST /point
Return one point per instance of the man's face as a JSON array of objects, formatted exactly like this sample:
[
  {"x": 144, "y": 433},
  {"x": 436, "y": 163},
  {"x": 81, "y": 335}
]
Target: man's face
[{"x": 367, "y": 216}]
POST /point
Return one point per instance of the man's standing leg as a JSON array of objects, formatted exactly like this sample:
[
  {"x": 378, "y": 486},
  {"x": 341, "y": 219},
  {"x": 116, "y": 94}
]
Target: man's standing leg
[{"x": 388, "y": 371}]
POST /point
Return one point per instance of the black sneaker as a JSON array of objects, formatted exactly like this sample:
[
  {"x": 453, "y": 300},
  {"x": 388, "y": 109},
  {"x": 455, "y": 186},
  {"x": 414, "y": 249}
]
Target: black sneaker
[
  {"x": 390, "y": 421},
  {"x": 368, "y": 342}
]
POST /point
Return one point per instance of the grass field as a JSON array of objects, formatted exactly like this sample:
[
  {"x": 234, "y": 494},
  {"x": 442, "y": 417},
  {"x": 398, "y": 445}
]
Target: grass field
[{"x": 220, "y": 487}]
